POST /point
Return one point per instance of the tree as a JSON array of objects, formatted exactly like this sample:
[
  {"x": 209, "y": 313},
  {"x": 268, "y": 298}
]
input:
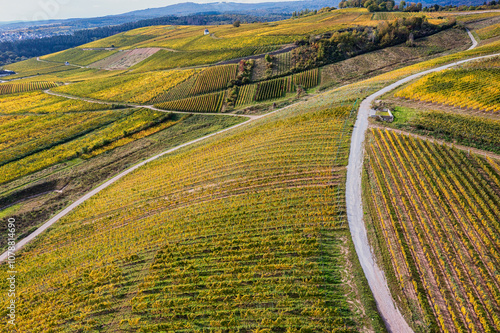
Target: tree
[
  {"x": 402, "y": 5},
  {"x": 236, "y": 23}
]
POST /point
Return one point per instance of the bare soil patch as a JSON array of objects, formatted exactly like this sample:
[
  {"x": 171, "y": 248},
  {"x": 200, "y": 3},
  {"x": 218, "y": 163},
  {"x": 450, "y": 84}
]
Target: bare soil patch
[{"x": 125, "y": 59}]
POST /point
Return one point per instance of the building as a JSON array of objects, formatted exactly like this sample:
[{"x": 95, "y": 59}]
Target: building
[{"x": 206, "y": 32}]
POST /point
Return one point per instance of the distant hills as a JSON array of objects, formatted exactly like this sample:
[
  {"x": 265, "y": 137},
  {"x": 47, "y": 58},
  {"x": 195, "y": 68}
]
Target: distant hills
[{"x": 188, "y": 8}]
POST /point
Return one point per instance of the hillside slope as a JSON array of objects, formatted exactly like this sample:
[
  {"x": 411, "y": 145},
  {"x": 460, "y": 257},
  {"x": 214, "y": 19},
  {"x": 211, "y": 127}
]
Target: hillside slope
[{"x": 245, "y": 232}]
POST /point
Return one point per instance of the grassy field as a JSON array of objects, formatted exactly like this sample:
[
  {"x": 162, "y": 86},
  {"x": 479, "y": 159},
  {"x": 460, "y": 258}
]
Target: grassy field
[{"x": 436, "y": 216}]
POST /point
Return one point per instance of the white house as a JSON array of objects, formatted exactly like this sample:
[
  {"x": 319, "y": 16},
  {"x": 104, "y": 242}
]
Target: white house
[{"x": 206, "y": 32}]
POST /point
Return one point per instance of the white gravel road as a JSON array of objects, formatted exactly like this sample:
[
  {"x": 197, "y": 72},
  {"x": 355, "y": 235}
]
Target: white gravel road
[{"x": 391, "y": 315}]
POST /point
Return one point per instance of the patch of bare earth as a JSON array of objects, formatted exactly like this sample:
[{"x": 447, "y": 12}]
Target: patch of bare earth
[{"x": 125, "y": 59}]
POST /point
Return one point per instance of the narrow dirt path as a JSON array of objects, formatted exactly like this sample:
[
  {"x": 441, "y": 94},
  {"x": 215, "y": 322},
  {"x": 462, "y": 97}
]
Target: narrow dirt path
[
  {"x": 474, "y": 41},
  {"x": 391, "y": 315}
]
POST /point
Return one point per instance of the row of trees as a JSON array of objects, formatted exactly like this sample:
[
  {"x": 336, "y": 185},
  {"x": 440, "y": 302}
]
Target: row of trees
[
  {"x": 390, "y": 5},
  {"x": 350, "y": 42},
  {"x": 382, "y": 5}
]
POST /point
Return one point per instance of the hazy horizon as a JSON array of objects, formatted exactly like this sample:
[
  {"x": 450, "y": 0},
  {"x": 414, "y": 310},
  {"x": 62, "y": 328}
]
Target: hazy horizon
[{"x": 39, "y": 10}]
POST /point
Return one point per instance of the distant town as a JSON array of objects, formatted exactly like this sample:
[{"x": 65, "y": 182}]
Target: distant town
[{"x": 32, "y": 33}]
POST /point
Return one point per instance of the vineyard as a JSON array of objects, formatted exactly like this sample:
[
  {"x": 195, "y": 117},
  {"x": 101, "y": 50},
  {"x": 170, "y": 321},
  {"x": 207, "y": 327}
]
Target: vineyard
[
  {"x": 38, "y": 102},
  {"x": 492, "y": 62},
  {"x": 389, "y": 16},
  {"x": 214, "y": 78},
  {"x": 135, "y": 88},
  {"x": 33, "y": 67},
  {"x": 56, "y": 138},
  {"x": 268, "y": 259},
  {"x": 23, "y": 135},
  {"x": 164, "y": 59},
  {"x": 473, "y": 131},
  {"x": 489, "y": 31},
  {"x": 180, "y": 91},
  {"x": 78, "y": 56},
  {"x": 13, "y": 88},
  {"x": 277, "y": 88},
  {"x": 307, "y": 79},
  {"x": 271, "y": 89},
  {"x": 246, "y": 94},
  {"x": 436, "y": 212},
  {"x": 282, "y": 63},
  {"x": 466, "y": 88},
  {"x": 181, "y": 97},
  {"x": 203, "y": 103}
]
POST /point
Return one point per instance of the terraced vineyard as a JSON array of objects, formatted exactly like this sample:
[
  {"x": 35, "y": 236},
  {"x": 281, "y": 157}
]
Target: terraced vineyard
[
  {"x": 12, "y": 88},
  {"x": 203, "y": 103},
  {"x": 436, "y": 211},
  {"x": 246, "y": 94},
  {"x": 307, "y": 79},
  {"x": 214, "y": 78},
  {"x": 470, "y": 88},
  {"x": 183, "y": 215}
]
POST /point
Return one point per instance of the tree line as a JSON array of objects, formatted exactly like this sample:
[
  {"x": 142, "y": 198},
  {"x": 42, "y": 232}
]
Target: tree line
[{"x": 390, "y": 5}]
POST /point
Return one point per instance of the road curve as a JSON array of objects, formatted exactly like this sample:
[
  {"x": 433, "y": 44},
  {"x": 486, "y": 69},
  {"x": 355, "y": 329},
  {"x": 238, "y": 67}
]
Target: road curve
[
  {"x": 101, "y": 187},
  {"x": 391, "y": 315},
  {"x": 474, "y": 41}
]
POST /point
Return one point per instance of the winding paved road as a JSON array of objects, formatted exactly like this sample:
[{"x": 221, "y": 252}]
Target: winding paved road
[{"x": 391, "y": 315}]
